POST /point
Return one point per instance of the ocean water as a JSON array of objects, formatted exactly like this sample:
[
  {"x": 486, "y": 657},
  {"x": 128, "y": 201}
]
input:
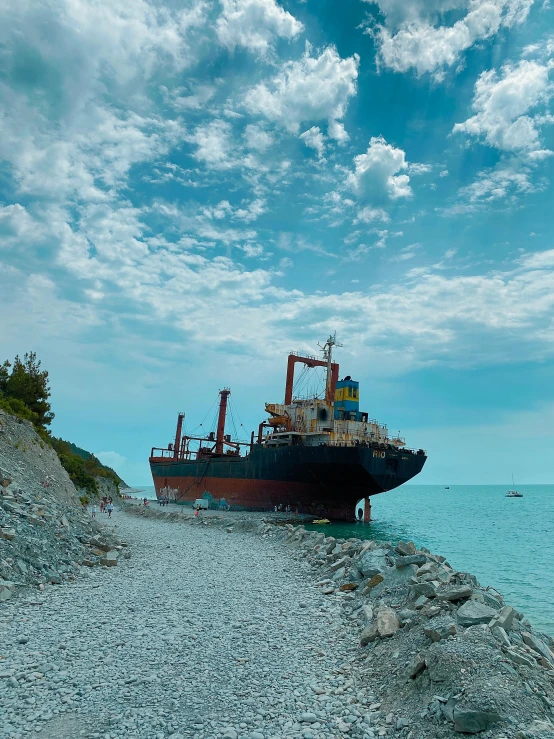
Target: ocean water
[{"x": 508, "y": 543}]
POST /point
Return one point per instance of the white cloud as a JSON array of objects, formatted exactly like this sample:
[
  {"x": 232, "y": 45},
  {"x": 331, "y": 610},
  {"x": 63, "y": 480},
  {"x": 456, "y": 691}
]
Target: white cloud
[
  {"x": 370, "y": 215},
  {"x": 498, "y": 184},
  {"x": 17, "y": 227},
  {"x": 314, "y": 88},
  {"x": 219, "y": 211},
  {"x": 251, "y": 211},
  {"x": 255, "y": 24},
  {"x": 314, "y": 139},
  {"x": 376, "y": 171},
  {"x": 214, "y": 146},
  {"x": 257, "y": 138},
  {"x": 336, "y": 130},
  {"x": 414, "y": 36},
  {"x": 539, "y": 260},
  {"x": 111, "y": 459},
  {"x": 503, "y": 103},
  {"x": 180, "y": 100}
]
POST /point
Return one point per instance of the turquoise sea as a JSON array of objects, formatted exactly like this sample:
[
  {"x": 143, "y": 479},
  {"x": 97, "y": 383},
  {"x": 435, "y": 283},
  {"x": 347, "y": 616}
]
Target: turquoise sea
[{"x": 507, "y": 543}]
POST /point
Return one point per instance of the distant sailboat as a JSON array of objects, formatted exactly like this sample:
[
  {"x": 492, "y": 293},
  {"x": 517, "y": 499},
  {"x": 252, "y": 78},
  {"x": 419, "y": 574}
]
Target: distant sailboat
[{"x": 513, "y": 493}]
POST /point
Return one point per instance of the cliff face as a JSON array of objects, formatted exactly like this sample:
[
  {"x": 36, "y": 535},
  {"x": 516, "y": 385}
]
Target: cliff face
[
  {"x": 44, "y": 531},
  {"x": 28, "y": 461}
]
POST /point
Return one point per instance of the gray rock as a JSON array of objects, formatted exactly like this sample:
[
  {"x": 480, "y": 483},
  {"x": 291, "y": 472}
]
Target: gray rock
[
  {"x": 405, "y": 548},
  {"x": 372, "y": 563},
  {"x": 342, "y": 562},
  {"x": 520, "y": 658},
  {"x": 421, "y": 602},
  {"x": 491, "y": 600},
  {"x": 440, "y": 628},
  {"x": 369, "y": 634},
  {"x": 423, "y": 588},
  {"x": 505, "y": 618},
  {"x": 472, "y": 613},
  {"x": 367, "y": 613},
  {"x": 387, "y": 622},
  {"x": 110, "y": 559},
  {"x": 412, "y": 559},
  {"x": 458, "y": 593},
  {"x": 6, "y": 590},
  {"x": 472, "y": 721},
  {"x": 501, "y": 636},
  {"x": 397, "y": 577},
  {"x": 538, "y": 646},
  {"x": 417, "y": 666}
]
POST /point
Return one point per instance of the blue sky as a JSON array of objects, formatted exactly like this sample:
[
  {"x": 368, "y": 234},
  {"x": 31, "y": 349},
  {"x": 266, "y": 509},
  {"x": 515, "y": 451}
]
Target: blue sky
[{"x": 188, "y": 190}]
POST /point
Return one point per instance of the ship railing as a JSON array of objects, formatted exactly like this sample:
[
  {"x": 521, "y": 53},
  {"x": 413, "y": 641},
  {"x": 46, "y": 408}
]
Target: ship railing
[
  {"x": 372, "y": 444},
  {"x": 162, "y": 453}
]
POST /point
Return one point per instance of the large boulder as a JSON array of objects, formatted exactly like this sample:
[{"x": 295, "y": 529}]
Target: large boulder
[
  {"x": 405, "y": 548},
  {"x": 473, "y": 613},
  {"x": 473, "y": 721},
  {"x": 505, "y": 618},
  {"x": 412, "y": 559},
  {"x": 537, "y": 645},
  {"x": 372, "y": 563}
]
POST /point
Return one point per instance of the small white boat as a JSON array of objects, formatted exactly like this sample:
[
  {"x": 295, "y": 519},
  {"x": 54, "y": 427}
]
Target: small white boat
[{"x": 513, "y": 493}]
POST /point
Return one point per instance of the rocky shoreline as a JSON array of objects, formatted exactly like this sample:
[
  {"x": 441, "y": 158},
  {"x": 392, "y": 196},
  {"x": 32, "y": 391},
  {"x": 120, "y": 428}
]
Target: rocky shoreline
[{"x": 445, "y": 655}]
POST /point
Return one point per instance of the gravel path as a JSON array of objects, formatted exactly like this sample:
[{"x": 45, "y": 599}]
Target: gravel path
[{"x": 200, "y": 634}]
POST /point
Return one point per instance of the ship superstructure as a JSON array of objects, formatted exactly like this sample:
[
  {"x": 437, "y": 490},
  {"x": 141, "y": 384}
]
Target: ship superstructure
[
  {"x": 318, "y": 455},
  {"x": 334, "y": 420}
]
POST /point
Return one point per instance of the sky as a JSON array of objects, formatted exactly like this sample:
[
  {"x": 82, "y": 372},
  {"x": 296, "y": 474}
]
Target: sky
[{"x": 190, "y": 189}]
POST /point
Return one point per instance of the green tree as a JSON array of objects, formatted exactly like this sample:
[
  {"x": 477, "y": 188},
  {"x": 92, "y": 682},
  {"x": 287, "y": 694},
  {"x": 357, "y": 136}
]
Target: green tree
[
  {"x": 4, "y": 376},
  {"x": 29, "y": 384}
]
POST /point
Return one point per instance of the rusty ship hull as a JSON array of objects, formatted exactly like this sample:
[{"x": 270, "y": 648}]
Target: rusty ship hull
[{"x": 321, "y": 480}]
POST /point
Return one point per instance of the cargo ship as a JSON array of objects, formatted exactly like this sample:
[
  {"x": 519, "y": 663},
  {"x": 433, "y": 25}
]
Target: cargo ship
[{"x": 315, "y": 455}]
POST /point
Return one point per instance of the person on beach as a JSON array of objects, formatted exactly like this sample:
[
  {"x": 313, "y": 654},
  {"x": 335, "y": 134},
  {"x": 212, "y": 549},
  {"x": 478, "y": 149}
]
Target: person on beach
[
  {"x": 196, "y": 512},
  {"x": 101, "y": 505},
  {"x": 110, "y": 509},
  {"x": 275, "y": 509},
  {"x": 93, "y": 512}
]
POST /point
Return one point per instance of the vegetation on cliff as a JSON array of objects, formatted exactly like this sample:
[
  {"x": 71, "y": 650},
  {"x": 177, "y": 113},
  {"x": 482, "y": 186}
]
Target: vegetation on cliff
[{"x": 25, "y": 393}]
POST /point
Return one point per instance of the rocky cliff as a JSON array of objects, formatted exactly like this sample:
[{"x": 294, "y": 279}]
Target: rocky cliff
[{"x": 45, "y": 534}]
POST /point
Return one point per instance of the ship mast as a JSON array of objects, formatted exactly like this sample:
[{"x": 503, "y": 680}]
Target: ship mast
[
  {"x": 328, "y": 357},
  {"x": 224, "y": 394}
]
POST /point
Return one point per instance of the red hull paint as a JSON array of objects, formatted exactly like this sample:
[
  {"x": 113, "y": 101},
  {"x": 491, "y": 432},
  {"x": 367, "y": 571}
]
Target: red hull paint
[{"x": 259, "y": 495}]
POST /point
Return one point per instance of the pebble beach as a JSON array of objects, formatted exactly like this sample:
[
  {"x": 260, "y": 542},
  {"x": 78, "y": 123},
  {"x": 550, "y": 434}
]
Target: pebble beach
[{"x": 199, "y": 634}]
